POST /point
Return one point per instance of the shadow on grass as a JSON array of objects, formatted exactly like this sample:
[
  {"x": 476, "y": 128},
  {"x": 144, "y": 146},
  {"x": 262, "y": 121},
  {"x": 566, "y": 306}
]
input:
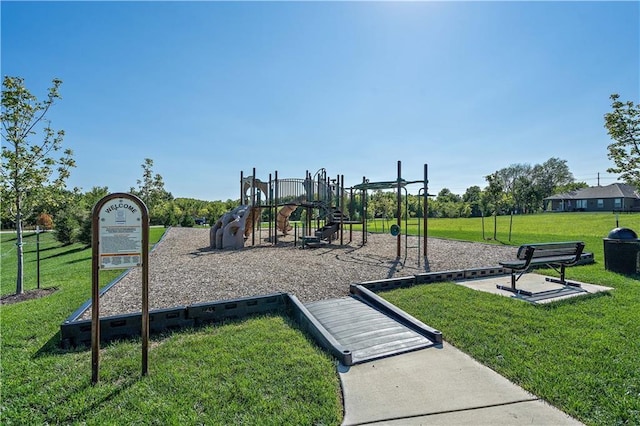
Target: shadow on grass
[
  {"x": 84, "y": 259},
  {"x": 64, "y": 253},
  {"x": 52, "y": 347},
  {"x": 111, "y": 389}
]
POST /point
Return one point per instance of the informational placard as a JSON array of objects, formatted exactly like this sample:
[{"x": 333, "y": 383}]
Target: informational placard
[
  {"x": 120, "y": 231},
  {"x": 119, "y": 239}
]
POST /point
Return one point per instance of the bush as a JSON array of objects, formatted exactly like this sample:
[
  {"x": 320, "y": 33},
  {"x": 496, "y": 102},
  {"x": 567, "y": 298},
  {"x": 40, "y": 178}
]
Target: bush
[
  {"x": 170, "y": 219},
  {"x": 44, "y": 221},
  {"x": 67, "y": 226},
  {"x": 85, "y": 232},
  {"x": 187, "y": 221}
]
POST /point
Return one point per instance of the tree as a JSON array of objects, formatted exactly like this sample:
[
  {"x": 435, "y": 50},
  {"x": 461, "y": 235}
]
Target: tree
[
  {"x": 44, "y": 221},
  {"x": 472, "y": 196},
  {"x": 151, "y": 188},
  {"x": 493, "y": 194},
  {"x": 28, "y": 167},
  {"x": 623, "y": 125},
  {"x": 445, "y": 195}
]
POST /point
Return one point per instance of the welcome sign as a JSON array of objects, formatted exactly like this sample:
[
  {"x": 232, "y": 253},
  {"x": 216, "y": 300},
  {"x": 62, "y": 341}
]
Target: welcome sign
[
  {"x": 120, "y": 234},
  {"x": 119, "y": 239}
]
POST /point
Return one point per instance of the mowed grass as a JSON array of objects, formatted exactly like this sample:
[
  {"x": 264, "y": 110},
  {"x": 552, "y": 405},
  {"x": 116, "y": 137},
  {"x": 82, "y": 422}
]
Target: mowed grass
[
  {"x": 581, "y": 355},
  {"x": 262, "y": 370}
]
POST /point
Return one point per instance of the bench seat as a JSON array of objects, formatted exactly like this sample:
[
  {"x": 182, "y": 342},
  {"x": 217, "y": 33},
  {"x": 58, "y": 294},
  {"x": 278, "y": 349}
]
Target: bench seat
[
  {"x": 521, "y": 264},
  {"x": 554, "y": 255}
]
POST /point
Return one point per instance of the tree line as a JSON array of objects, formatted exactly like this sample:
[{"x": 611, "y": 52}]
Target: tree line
[{"x": 35, "y": 167}]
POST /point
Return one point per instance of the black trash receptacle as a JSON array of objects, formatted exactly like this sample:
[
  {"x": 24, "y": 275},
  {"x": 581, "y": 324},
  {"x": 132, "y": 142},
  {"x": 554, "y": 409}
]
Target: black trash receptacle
[{"x": 622, "y": 251}]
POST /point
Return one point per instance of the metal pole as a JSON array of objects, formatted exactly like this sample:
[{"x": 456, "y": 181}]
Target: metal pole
[
  {"x": 363, "y": 208},
  {"x": 241, "y": 188},
  {"x": 399, "y": 211},
  {"x": 252, "y": 206},
  {"x": 425, "y": 204},
  {"x": 351, "y": 214},
  {"x": 341, "y": 186},
  {"x": 277, "y": 194},
  {"x": 271, "y": 215},
  {"x": 38, "y": 255}
]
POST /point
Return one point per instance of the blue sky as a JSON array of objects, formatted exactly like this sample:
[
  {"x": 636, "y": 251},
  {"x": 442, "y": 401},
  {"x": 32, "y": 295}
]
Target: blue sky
[{"x": 210, "y": 89}]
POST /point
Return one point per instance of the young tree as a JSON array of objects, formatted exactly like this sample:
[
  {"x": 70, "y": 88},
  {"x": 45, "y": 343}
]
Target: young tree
[
  {"x": 151, "y": 188},
  {"x": 28, "y": 166},
  {"x": 623, "y": 125},
  {"x": 494, "y": 193}
]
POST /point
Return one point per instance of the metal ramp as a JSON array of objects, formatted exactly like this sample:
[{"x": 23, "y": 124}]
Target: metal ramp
[{"x": 371, "y": 329}]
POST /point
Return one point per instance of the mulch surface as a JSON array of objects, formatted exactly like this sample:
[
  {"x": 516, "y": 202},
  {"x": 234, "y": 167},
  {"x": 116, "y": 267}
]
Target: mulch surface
[{"x": 27, "y": 295}]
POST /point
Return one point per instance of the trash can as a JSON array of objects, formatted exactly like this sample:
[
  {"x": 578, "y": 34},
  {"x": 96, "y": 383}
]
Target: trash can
[{"x": 622, "y": 251}]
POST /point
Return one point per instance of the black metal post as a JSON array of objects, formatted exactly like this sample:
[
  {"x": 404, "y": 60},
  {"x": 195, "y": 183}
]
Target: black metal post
[
  {"x": 38, "y": 255},
  {"x": 399, "y": 211}
]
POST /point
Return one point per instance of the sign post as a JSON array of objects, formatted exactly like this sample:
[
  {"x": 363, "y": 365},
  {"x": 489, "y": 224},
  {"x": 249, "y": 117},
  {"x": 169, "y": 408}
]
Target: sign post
[{"x": 120, "y": 240}]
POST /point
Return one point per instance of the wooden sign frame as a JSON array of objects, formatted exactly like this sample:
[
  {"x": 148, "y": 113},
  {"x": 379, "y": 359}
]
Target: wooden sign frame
[{"x": 119, "y": 239}]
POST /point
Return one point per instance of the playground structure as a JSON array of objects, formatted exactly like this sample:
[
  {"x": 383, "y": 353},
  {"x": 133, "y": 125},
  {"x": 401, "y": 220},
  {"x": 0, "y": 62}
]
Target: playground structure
[{"x": 324, "y": 201}]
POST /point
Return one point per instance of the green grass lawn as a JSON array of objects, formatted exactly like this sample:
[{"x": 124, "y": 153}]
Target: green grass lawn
[
  {"x": 262, "y": 370},
  {"x": 581, "y": 355}
]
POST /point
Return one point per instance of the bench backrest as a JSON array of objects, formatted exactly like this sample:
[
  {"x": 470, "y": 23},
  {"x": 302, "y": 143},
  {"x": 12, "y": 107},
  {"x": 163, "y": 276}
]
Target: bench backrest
[{"x": 533, "y": 251}]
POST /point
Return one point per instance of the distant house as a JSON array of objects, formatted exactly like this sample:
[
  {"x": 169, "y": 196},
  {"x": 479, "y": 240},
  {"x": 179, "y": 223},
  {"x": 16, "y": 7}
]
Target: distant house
[{"x": 614, "y": 197}]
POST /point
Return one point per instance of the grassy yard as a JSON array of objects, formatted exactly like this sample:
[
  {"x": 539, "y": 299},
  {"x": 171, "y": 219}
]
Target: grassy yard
[
  {"x": 263, "y": 370},
  {"x": 582, "y": 355}
]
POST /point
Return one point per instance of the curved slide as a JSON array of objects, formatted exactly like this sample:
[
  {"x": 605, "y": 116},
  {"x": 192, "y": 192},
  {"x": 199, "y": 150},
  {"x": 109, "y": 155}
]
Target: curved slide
[
  {"x": 233, "y": 227},
  {"x": 252, "y": 217},
  {"x": 282, "y": 220}
]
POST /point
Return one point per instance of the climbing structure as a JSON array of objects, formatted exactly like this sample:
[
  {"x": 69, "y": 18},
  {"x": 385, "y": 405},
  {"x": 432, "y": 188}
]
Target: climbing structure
[
  {"x": 323, "y": 201},
  {"x": 320, "y": 197}
]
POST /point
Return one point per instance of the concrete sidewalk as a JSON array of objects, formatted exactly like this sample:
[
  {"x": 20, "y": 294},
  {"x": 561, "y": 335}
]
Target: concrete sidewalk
[
  {"x": 444, "y": 386},
  {"x": 438, "y": 386}
]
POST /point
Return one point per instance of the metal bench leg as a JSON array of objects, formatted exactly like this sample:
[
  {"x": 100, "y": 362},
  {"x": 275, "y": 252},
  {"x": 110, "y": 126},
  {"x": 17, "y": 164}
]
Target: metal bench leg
[
  {"x": 513, "y": 288},
  {"x": 562, "y": 279}
]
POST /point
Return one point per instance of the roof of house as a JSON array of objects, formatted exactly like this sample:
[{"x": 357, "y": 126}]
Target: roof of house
[{"x": 615, "y": 190}]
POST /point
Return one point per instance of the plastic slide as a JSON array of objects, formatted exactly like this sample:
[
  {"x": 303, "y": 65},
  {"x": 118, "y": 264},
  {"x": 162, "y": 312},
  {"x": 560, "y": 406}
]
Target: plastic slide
[
  {"x": 233, "y": 233},
  {"x": 215, "y": 234},
  {"x": 253, "y": 216},
  {"x": 283, "y": 218}
]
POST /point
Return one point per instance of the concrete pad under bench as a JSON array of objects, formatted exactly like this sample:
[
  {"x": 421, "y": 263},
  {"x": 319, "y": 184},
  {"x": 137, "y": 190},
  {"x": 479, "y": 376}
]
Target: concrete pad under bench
[{"x": 546, "y": 291}]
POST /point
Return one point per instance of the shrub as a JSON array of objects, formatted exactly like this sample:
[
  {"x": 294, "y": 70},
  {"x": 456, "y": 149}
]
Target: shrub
[
  {"x": 187, "y": 221},
  {"x": 67, "y": 224},
  {"x": 44, "y": 221},
  {"x": 85, "y": 232}
]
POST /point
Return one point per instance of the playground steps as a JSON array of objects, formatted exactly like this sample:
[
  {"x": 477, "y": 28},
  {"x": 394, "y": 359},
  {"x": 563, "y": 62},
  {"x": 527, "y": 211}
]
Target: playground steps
[
  {"x": 312, "y": 241},
  {"x": 365, "y": 330},
  {"x": 335, "y": 218}
]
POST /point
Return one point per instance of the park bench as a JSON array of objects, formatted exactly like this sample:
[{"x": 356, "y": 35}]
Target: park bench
[{"x": 554, "y": 255}]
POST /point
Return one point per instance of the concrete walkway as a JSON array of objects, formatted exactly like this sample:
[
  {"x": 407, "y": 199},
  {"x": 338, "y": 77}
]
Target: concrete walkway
[
  {"x": 444, "y": 386},
  {"x": 438, "y": 386}
]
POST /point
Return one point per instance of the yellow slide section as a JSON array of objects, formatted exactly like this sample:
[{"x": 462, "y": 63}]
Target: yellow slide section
[
  {"x": 283, "y": 218},
  {"x": 252, "y": 218}
]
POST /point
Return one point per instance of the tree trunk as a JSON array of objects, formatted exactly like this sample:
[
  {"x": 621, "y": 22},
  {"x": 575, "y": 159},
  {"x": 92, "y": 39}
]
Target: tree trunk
[
  {"x": 19, "y": 251},
  {"x": 495, "y": 226}
]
